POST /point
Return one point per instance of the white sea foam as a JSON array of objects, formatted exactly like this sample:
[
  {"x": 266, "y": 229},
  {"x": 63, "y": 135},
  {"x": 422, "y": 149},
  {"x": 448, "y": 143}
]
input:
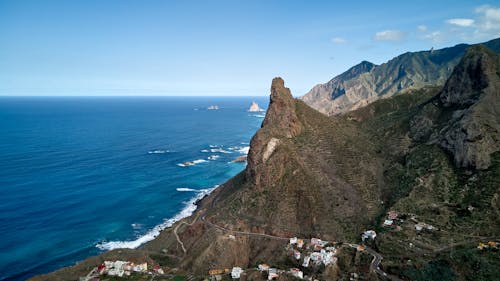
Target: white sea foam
[
  {"x": 259, "y": 115},
  {"x": 181, "y": 189},
  {"x": 191, "y": 163},
  {"x": 213, "y": 157},
  {"x": 159, "y": 151},
  {"x": 244, "y": 150},
  {"x": 190, "y": 207},
  {"x": 219, "y": 150}
]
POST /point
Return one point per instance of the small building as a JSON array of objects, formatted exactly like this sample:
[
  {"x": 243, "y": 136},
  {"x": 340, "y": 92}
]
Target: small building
[
  {"x": 101, "y": 268},
  {"x": 263, "y": 267},
  {"x": 388, "y": 222},
  {"x": 273, "y": 274},
  {"x": 293, "y": 240},
  {"x": 236, "y": 272},
  {"x": 419, "y": 227},
  {"x": 317, "y": 247},
  {"x": 392, "y": 215},
  {"x": 297, "y": 273},
  {"x": 296, "y": 254},
  {"x": 327, "y": 258},
  {"x": 316, "y": 256},
  {"x": 369, "y": 234},
  {"x": 306, "y": 261},
  {"x": 323, "y": 243},
  {"x": 215, "y": 271},
  {"x": 300, "y": 243},
  {"x": 158, "y": 269},
  {"x": 360, "y": 248},
  {"x": 315, "y": 241}
]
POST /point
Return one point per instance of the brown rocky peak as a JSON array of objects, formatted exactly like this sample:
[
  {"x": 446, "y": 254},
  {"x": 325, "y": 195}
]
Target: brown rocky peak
[
  {"x": 280, "y": 117},
  {"x": 281, "y": 123}
]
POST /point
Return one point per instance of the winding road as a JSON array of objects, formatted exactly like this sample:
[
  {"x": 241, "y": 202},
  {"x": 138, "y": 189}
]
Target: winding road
[{"x": 374, "y": 266}]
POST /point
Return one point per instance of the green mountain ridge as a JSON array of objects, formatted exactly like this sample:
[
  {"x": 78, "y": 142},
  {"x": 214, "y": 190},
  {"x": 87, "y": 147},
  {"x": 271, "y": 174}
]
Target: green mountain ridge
[{"x": 362, "y": 85}]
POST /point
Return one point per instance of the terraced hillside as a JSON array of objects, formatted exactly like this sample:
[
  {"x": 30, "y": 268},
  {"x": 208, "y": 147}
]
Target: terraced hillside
[{"x": 431, "y": 155}]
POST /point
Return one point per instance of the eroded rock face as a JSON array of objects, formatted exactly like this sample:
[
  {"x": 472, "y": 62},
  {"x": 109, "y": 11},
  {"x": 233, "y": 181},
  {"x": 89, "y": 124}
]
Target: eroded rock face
[
  {"x": 471, "y": 79},
  {"x": 473, "y": 91},
  {"x": 464, "y": 117},
  {"x": 281, "y": 123}
]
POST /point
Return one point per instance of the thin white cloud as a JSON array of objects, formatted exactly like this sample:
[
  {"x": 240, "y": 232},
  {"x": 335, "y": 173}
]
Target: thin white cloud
[
  {"x": 339, "y": 40},
  {"x": 389, "y": 35},
  {"x": 488, "y": 22},
  {"x": 422, "y": 27},
  {"x": 461, "y": 22},
  {"x": 436, "y": 36}
]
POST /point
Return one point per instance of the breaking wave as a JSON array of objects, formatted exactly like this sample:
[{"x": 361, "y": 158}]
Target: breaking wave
[
  {"x": 185, "y": 189},
  {"x": 240, "y": 149},
  {"x": 244, "y": 150},
  {"x": 191, "y": 163},
  {"x": 189, "y": 208},
  {"x": 216, "y": 150}
]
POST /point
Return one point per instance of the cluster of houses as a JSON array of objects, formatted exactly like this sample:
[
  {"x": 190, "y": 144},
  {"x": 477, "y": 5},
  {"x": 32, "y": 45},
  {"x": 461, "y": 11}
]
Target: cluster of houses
[
  {"x": 394, "y": 217},
  {"x": 274, "y": 273},
  {"x": 120, "y": 269},
  {"x": 316, "y": 252},
  {"x": 391, "y": 217}
]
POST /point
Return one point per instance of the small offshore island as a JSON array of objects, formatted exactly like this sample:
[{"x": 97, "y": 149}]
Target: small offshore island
[{"x": 404, "y": 187}]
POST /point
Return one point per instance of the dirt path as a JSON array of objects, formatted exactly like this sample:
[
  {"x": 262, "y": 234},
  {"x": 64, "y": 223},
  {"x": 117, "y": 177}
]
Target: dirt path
[{"x": 177, "y": 235}]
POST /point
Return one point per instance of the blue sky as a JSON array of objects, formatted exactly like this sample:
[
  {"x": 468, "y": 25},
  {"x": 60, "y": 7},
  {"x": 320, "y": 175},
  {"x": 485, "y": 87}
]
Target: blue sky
[{"x": 217, "y": 47}]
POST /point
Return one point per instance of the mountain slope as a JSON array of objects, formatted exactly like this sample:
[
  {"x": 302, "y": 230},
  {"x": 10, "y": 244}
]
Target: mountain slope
[
  {"x": 448, "y": 175},
  {"x": 430, "y": 154},
  {"x": 354, "y": 89}
]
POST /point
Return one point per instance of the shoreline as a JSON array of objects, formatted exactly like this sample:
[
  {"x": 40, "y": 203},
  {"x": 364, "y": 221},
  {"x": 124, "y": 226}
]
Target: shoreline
[{"x": 189, "y": 209}]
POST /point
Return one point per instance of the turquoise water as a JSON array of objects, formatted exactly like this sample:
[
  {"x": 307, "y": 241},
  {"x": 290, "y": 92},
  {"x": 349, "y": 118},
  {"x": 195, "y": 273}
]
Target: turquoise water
[{"x": 81, "y": 175}]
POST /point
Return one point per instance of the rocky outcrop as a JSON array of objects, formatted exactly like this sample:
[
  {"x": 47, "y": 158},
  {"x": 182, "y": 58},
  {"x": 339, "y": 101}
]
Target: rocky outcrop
[
  {"x": 464, "y": 118},
  {"x": 254, "y": 107},
  {"x": 366, "y": 83},
  {"x": 281, "y": 122},
  {"x": 472, "y": 93}
]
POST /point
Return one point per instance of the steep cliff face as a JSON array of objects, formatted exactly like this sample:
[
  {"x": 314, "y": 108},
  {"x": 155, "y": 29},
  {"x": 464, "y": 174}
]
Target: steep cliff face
[
  {"x": 464, "y": 119},
  {"x": 354, "y": 89},
  {"x": 281, "y": 123}
]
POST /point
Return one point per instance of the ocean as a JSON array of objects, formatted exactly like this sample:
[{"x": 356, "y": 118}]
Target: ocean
[{"x": 82, "y": 175}]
